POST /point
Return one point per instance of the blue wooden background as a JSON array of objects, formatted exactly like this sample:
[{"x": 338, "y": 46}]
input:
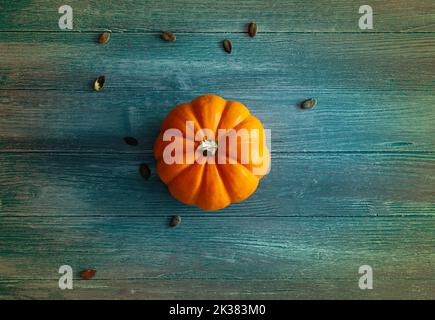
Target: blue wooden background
[{"x": 352, "y": 180}]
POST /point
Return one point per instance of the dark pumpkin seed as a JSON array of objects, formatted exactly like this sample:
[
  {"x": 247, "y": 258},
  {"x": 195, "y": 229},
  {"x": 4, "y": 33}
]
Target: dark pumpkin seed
[
  {"x": 309, "y": 103},
  {"x": 228, "y": 46},
  {"x": 168, "y": 36},
  {"x": 131, "y": 141},
  {"x": 88, "y": 273},
  {"x": 104, "y": 37},
  {"x": 252, "y": 29},
  {"x": 145, "y": 171},
  {"x": 175, "y": 221},
  {"x": 99, "y": 83}
]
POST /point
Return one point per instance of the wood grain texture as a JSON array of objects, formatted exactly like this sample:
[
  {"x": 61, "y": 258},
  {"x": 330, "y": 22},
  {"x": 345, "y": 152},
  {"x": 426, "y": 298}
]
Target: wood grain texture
[
  {"x": 90, "y": 122},
  {"x": 217, "y": 252},
  {"x": 219, "y": 16},
  {"x": 282, "y": 62},
  {"x": 352, "y": 180},
  {"x": 299, "y": 184},
  {"x": 130, "y": 289}
]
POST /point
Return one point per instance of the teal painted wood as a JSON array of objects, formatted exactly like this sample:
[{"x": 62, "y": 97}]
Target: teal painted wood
[
  {"x": 219, "y": 16},
  {"x": 214, "y": 253},
  {"x": 352, "y": 180},
  {"x": 97, "y": 122},
  {"x": 280, "y": 62},
  {"x": 317, "y": 288},
  {"x": 299, "y": 184}
]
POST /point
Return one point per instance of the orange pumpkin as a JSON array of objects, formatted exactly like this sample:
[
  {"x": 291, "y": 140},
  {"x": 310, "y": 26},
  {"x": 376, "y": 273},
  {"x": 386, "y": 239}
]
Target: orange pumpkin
[{"x": 201, "y": 179}]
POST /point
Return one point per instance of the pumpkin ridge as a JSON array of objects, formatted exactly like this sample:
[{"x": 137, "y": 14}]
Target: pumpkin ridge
[
  {"x": 212, "y": 176},
  {"x": 225, "y": 183},
  {"x": 223, "y": 114},
  {"x": 197, "y": 105},
  {"x": 197, "y": 190},
  {"x": 237, "y": 198},
  {"x": 159, "y": 156},
  {"x": 194, "y": 105},
  {"x": 181, "y": 116},
  {"x": 182, "y": 171},
  {"x": 195, "y": 120},
  {"x": 218, "y": 169},
  {"x": 227, "y": 157},
  {"x": 246, "y": 120},
  {"x": 201, "y": 185}
]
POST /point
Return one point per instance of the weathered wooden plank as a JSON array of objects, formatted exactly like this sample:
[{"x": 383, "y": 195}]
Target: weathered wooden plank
[
  {"x": 282, "y": 62},
  {"x": 86, "y": 121},
  {"x": 299, "y": 184},
  {"x": 211, "y": 289},
  {"x": 220, "y": 16},
  {"x": 295, "y": 254}
]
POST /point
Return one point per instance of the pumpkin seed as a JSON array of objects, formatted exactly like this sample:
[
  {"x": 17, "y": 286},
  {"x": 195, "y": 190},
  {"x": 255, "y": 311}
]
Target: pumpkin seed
[
  {"x": 104, "y": 37},
  {"x": 145, "y": 171},
  {"x": 99, "y": 83},
  {"x": 131, "y": 141},
  {"x": 88, "y": 274},
  {"x": 309, "y": 103},
  {"x": 168, "y": 36},
  {"x": 252, "y": 29},
  {"x": 175, "y": 221},
  {"x": 228, "y": 47}
]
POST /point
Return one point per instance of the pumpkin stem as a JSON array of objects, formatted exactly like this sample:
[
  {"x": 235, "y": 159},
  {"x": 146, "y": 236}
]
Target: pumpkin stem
[{"x": 209, "y": 147}]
